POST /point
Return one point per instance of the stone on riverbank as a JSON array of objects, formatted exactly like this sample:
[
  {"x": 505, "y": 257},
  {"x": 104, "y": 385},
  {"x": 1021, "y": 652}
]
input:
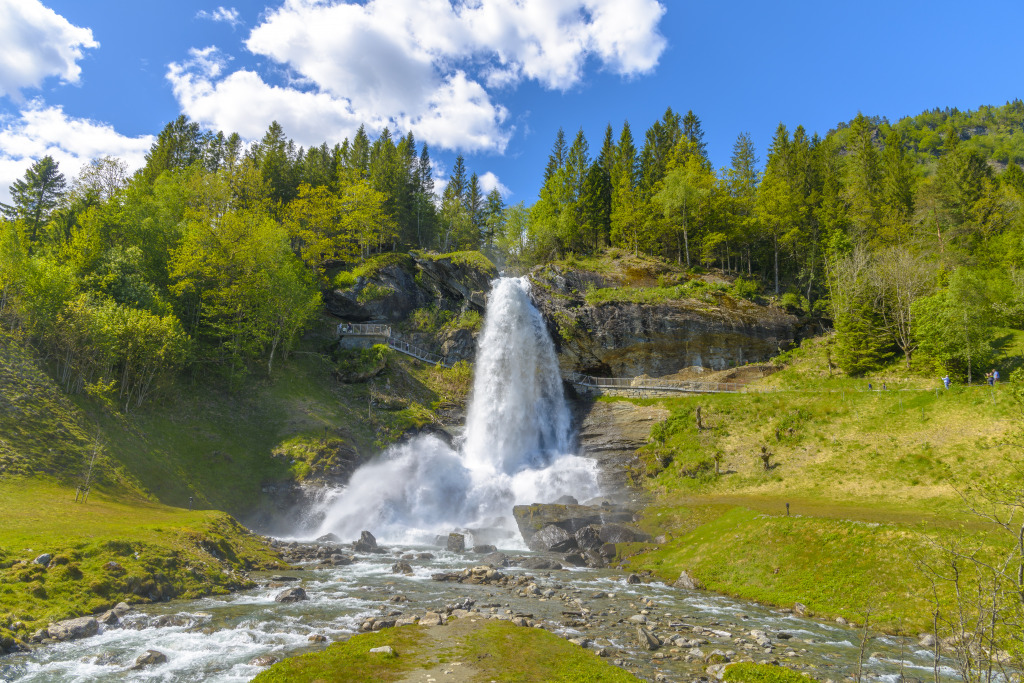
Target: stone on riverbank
[{"x": 73, "y": 629}]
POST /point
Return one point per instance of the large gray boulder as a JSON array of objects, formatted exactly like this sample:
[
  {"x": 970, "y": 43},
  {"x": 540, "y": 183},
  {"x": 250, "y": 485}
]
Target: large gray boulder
[
  {"x": 456, "y": 542},
  {"x": 620, "y": 533},
  {"x": 552, "y": 538},
  {"x": 73, "y": 629},
  {"x": 366, "y": 543},
  {"x": 291, "y": 595}
]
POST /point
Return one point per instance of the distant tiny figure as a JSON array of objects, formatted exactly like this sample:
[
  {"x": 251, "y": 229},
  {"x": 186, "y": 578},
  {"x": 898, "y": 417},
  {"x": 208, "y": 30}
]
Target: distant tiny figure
[
  {"x": 945, "y": 381},
  {"x": 883, "y": 386},
  {"x": 990, "y": 378},
  {"x": 995, "y": 376},
  {"x": 869, "y": 386},
  {"x": 787, "y": 509}
]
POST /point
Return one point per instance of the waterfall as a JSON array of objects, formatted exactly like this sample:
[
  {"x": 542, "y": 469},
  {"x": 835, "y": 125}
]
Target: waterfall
[{"x": 517, "y": 446}]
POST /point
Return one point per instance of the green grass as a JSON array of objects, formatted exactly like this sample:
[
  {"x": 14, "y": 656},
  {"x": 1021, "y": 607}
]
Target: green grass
[
  {"x": 493, "y": 650},
  {"x": 749, "y": 672},
  {"x": 497, "y": 650},
  {"x": 873, "y": 479},
  {"x": 163, "y": 552},
  {"x": 836, "y": 567},
  {"x": 352, "y": 660},
  {"x": 472, "y": 259}
]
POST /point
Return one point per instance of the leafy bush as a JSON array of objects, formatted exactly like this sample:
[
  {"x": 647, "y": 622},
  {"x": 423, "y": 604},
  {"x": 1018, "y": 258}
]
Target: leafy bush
[
  {"x": 430, "y": 319},
  {"x": 343, "y": 279},
  {"x": 744, "y": 289},
  {"x": 373, "y": 265},
  {"x": 372, "y": 292}
]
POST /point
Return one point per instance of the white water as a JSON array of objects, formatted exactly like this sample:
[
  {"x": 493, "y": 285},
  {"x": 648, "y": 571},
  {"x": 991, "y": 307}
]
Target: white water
[{"x": 518, "y": 446}]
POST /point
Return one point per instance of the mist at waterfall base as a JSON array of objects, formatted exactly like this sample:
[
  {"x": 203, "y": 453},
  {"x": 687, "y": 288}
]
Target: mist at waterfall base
[{"x": 516, "y": 448}]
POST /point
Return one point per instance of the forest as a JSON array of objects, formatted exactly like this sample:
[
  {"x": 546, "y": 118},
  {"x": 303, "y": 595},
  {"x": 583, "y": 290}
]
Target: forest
[{"x": 907, "y": 238}]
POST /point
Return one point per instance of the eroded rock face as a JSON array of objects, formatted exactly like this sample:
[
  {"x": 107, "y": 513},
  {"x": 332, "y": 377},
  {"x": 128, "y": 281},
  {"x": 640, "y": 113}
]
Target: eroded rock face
[
  {"x": 610, "y": 433},
  {"x": 412, "y": 282},
  {"x": 625, "y": 339}
]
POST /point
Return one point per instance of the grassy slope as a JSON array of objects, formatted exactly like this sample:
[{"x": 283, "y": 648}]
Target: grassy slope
[
  {"x": 162, "y": 551},
  {"x": 869, "y": 476},
  {"x": 215, "y": 446}
]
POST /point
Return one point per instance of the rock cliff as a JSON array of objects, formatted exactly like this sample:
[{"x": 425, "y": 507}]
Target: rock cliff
[
  {"x": 400, "y": 284},
  {"x": 625, "y": 338}
]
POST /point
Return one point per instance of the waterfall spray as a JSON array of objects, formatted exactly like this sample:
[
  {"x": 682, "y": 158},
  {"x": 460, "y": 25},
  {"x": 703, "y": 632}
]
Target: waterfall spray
[{"x": 517, "y": 447}]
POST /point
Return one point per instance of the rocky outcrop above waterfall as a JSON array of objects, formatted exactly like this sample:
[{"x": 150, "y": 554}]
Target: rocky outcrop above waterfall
[
  {"x": 392, "y": 286},
  {"x": 626, "y": 336}
]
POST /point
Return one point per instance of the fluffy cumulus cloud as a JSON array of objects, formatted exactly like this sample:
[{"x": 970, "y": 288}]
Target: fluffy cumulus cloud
[
  {"x": 430, "y": 66},
  {"x": 224, "y": 14},
  {"x": 489, "y": 182},
  {"x": 38, "y": 43},
  {"x": 40, "y": 130}
]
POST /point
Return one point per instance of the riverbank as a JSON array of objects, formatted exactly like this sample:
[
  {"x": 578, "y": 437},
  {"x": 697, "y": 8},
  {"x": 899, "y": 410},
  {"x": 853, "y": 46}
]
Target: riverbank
[
  {"x": 825, "y": 492},
  {"x": 62, "y": 558}
]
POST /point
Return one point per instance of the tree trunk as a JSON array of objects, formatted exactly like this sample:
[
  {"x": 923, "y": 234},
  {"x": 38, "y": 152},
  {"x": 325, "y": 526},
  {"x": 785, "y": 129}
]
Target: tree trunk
[{"x": 775, "y": 244}]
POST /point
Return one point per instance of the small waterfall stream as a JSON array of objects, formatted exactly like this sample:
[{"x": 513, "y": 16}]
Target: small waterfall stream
[{"x": 517, "y": 447}]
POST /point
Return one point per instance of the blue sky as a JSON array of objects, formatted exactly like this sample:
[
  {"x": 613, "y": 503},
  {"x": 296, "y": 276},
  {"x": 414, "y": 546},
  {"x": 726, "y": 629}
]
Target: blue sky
[{"x": 493, "y": 79}]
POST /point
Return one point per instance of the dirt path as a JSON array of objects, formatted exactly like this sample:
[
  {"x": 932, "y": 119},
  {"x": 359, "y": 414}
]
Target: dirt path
[{"x": 440, "y": 653}]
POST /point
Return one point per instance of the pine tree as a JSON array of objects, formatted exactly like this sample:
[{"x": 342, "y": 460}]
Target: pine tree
[
  {"x": 694, "y": 133},
  {"x": 556, "y": 159},
  {"x": 35, "y": 196}
]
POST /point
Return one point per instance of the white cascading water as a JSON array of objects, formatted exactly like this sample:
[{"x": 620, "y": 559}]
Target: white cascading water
[{"x": 516, "y": 450}]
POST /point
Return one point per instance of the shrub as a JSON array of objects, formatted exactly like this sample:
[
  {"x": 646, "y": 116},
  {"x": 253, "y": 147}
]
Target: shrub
[{"x": 745, "y": 289}]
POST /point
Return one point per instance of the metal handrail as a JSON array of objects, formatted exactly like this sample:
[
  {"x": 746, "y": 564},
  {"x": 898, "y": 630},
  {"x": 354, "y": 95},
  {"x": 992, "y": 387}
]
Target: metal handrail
[
  {"x": 364, "y": 329},
  {"x": 656, "y": 384}
]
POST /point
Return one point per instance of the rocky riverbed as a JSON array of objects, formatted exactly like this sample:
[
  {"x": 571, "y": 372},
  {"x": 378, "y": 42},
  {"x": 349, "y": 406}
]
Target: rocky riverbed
[{"x": 656, "y": 631}]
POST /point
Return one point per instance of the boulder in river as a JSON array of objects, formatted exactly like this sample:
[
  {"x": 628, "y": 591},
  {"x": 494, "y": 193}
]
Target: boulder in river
[
  {"x": 366, "y": 543},
  {"x": 456, "y": 542},
  {"x": 73, "y": 629},
  {"x": 495, "y": 560},
  {"x": 646, "y": 639},
  {"x": 552, "y": 538},
  {"x": 292, "y": 595},
  {"x": 688, "y": 581},
  {"x": 401, "y": 567},
  {"x": 588, "y": 538},
  {"x": 539, "y": 563},
  {"x": 263, "y": 660},
  {"x": 484, "y": 549},
  {"x": 150, "y": 658}
]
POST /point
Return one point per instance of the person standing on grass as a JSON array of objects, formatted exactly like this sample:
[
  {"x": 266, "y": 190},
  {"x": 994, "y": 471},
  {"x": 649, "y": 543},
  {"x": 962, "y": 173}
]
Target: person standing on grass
[
  {"x": 945, "y": 381},
  {"x": 995, "y": 376}
]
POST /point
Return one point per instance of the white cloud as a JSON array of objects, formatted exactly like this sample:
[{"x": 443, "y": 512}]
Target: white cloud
[
  {"x": 38, "y": 43},
  {"x": 73, "y": 142},
  {"x": 489, "y": 181},
  {"x": 420, "y": 65},
  {"x": 234, "y": 103},
  {"x": 228, "y": 16}
]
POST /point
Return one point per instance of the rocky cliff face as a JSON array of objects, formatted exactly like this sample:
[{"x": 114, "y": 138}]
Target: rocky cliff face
[
  {"x": 625, "y": 339},
  {"x": 412, "y": 281}
]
